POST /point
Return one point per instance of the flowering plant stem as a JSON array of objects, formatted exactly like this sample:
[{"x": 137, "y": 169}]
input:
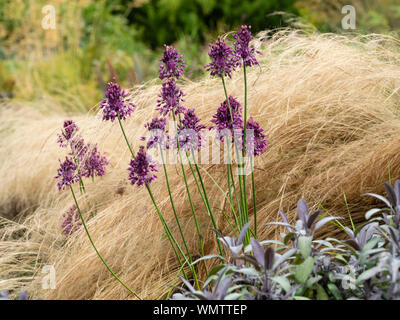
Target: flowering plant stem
[
  {"x": 187, "y": 186},
  {"x": 173, "y": 205},
  {"x": 167, "y": 229},
  {"x": 243, "y": 213},
  {"x": 97, "y": 251}
]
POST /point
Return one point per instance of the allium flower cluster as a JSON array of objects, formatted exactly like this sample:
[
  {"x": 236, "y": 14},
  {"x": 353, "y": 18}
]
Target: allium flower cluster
[
  {"x": 171, "y": 98},
  {"x": 94, "y": 164},
  {"x": 173, "y": 63},
  {"x": 241, "y": 47},
  {"x": 71, "y": 222},
  {"x": 68, "y": 174},
  {"x": 78, "y": 148},
  {"x": 67, "y": 133},
  {"x": 141, "y": 169},
  {"x": 157, "y": 133},
  {"x": 223, "y": 61},
  {"x": 255, "y": 138},
  {"x": 116, "y": 103},
  {"x": 189, "y": 131},
  {"x": 223, "y": 119}
]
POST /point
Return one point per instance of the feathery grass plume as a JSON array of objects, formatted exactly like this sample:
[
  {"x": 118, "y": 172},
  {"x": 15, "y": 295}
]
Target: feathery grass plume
[
  {"x": 71, "y": 221},
  {"x": 116, "y": 103},
  {"x": 173, "y": 63},
  {"x": 141, "y": 169},
  {"x": 332, "y": 130}
]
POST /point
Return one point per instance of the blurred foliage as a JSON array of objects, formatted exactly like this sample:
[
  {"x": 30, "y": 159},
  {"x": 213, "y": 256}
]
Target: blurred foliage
[
  {"x": 165, "y": 21},
  {"x": 372, "y": 16},
  {"x": 95, "y": 41}
]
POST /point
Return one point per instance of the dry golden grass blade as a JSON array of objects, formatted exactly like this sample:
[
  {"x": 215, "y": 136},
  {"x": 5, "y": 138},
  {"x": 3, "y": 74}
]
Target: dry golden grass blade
[{"x": 328, "y": 103}]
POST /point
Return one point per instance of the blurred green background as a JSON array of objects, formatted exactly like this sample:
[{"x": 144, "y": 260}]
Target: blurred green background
[{"x": 95, "y": 41}]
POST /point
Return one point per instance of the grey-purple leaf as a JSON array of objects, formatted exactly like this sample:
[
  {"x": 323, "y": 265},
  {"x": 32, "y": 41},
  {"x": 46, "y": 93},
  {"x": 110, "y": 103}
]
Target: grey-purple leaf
[
  {"x": 324, "y": 221},
  {"x": 258, "y": 252},
  {"x": 269, "y": 258},
  {"x": 242, "y": 233},
  {"x": 223, "y": 287},
  {"x": 302, "y": 211}
]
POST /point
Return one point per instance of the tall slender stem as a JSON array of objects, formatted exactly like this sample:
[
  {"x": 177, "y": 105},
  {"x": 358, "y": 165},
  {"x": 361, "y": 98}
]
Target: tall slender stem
[
  {"x": 97, "y": 251},
  {"x": 243, "y": 214},
  {"x": 168, "y": 231},
  {"x": 173, "y": 205}
]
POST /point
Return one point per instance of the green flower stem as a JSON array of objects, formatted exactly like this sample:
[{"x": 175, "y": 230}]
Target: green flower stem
[
  {"x": 204, "y": 201},
  {"x": 94, "y": 247},
  {"x": 168, "y": 231},
  {"x": 208, "y": 207},
  {"x": 173, "y": 206},
  {"x": 171, "y": 236},
  {"x": 244, "y": 214},
  {"x": 244, "y": 140},
  {"x": 253, "y": 187},
  {"x": 230, "y": 178}
]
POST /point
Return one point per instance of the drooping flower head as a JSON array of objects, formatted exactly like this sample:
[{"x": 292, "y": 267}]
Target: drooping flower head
[
  {"x": 141, "y": 169},
  {"x": 157, "y": 132},
  {"x": 173, "y": 63},
  {"x": 242, "y": 49},
  {"x": 171, "y": 98},
  {"x": 189, "y": 131},
  {"x": 116, "y": 103},
  {"x": 223, "y": 62},
  {"x": 94, "y": 163},
  {"x": 255, "y": 138},
  {"x": 71, "y": 221},
  {"x": 223, "y": 119},
  {"x": 67, "y": 173},
  {"x": 67, "y": 133}
]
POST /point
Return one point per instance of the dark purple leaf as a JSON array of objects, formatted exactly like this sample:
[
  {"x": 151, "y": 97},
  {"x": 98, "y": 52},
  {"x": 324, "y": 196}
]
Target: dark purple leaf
[{"x": 258, "y": 252}]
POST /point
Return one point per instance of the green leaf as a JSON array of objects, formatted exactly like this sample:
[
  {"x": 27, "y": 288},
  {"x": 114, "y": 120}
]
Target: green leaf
[
  {"x": 335, "y": 291},
  {"x": 283, "y": 282},
  {"x": 304, "y": 245},
  {"x": 301, "y": 298},
  {"x": 321, "y": 294},
  {"x": 304, "y": 270},
  {"x": 288, "y": 237}
]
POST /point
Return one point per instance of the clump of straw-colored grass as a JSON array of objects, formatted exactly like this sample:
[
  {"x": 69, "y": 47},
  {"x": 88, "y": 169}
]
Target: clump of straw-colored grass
[{"x": 328, "y": 103}]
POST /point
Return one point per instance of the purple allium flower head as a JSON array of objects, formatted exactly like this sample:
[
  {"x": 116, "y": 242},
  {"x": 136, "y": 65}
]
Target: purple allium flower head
[
  {"x": 116, "y": 103},
  {"x": 67, "y": 173},
  {"x": 71, "y": 222},
  {"x": 255, "y": 138},
  {"x": 223, "y": 62},
  {"x": 78, "y": 148},
  {"x": 157, "y": 129},
  {"x": 171, "y": 98},
  {"x": 189, "y": 131},
  {"x": 242, "y": 49},
  {"x": 141, "y": 169},
  {"x": 67, "y": 134},
  {"x": 173, "y": 63},
  {"x": 223, "y": 120},
  {"x": 94, "y": 163}
]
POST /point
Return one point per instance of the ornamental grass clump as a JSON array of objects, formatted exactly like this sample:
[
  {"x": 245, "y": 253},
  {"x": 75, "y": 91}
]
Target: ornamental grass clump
[{"x": 229, "y": 124}]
